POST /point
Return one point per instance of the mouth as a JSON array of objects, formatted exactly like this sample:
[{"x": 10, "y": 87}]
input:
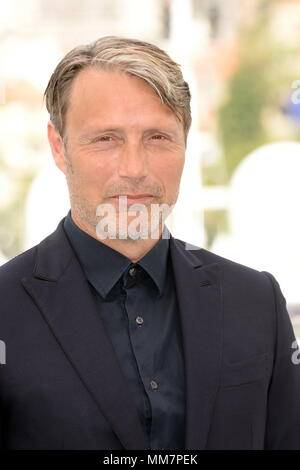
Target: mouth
[{"x": 135, "y": 198}]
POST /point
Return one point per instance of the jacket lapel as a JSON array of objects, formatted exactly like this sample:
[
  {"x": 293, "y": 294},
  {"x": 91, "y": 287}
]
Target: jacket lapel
[
  {"x": 198, "y": 289},
  {"x": 59, "y": 289}
]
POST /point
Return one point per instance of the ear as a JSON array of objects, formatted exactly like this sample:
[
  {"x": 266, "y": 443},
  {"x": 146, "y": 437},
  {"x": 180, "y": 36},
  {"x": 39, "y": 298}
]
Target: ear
[{"x": 57, "y": 147}]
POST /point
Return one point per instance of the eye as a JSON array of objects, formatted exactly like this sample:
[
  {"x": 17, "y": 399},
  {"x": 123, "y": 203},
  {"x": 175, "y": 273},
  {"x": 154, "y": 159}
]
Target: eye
[
  {"x": 103, "y": 138},
  {"x": 158, "y": 137}
]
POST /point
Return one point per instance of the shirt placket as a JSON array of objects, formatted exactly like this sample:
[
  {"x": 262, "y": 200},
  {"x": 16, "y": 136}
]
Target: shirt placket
[{"x": 140, "y": 336}]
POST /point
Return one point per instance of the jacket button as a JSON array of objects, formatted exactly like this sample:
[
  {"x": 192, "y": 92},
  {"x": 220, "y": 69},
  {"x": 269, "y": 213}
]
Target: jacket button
[{"x": 154, "y": 385}]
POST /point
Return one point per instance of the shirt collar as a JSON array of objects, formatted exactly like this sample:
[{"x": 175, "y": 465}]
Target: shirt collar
[{"x": 104, "y": 266}]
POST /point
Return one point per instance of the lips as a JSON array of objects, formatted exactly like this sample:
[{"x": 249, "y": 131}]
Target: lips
[
  {"x": 135, "y": 197},
  {"x": 132, "y": 196}
]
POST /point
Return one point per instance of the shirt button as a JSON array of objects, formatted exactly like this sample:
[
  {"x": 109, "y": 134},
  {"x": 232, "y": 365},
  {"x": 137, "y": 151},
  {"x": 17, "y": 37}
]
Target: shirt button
[
  {"x": 139, "y": 320},
  {"x": 154, "y": 385},
  {"x": 132, "y": 271}
]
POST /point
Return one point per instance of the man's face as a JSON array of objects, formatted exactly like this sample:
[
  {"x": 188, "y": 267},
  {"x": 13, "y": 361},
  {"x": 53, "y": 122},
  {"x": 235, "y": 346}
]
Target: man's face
[{"x": 121, "y": 141}]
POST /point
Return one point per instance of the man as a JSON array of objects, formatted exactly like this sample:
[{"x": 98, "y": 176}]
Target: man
[{"x": 117, "y": 336}]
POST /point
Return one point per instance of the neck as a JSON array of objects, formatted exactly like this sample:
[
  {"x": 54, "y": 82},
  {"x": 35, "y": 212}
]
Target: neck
[{"x": 132, "y": 249}]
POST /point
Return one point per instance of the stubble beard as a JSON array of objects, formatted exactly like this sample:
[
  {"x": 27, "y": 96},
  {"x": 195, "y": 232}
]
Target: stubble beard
[{"x": 85, "y": 214}]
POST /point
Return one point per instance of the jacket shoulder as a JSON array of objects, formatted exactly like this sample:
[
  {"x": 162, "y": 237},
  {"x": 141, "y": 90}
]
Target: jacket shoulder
[
  {"x": 231, "y": 269},
  {"x": 18, "y": 267}
]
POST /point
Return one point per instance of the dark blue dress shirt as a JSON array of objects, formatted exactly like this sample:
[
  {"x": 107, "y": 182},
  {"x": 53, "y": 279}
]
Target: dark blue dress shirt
[{"x": 138, "y": 306}]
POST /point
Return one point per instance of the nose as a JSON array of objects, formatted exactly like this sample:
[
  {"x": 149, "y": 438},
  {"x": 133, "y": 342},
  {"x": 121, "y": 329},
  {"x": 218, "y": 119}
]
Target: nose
[{"x": 133, "y": 161}]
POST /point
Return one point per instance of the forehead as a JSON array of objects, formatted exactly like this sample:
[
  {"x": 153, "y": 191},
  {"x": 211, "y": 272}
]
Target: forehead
[{"x": 114, "y": 95}]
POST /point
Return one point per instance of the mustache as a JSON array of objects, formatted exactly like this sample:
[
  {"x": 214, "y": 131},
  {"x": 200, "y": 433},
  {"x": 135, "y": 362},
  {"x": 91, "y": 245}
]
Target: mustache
[{"x": 154, "y": 190}]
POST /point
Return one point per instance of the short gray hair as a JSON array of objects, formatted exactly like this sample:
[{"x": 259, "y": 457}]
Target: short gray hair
[{"x": 138, "y": 58}]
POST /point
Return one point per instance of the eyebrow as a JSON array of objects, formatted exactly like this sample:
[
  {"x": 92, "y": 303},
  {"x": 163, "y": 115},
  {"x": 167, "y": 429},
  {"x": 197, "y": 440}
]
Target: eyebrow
[{"x": 89, "y": 134}]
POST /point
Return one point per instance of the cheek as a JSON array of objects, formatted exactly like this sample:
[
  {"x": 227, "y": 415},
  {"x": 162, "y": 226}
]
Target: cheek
[
  {"x": 170, "y": 170},
  {"x": 92, "y": 171}
]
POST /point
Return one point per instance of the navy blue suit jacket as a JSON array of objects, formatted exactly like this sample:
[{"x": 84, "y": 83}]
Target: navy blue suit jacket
[{"x": 62, "y": 386}]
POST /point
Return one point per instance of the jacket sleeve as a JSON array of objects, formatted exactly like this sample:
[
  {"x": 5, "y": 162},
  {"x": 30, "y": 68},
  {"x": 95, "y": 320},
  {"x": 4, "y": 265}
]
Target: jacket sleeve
[{"x": 283, "y": 413}]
